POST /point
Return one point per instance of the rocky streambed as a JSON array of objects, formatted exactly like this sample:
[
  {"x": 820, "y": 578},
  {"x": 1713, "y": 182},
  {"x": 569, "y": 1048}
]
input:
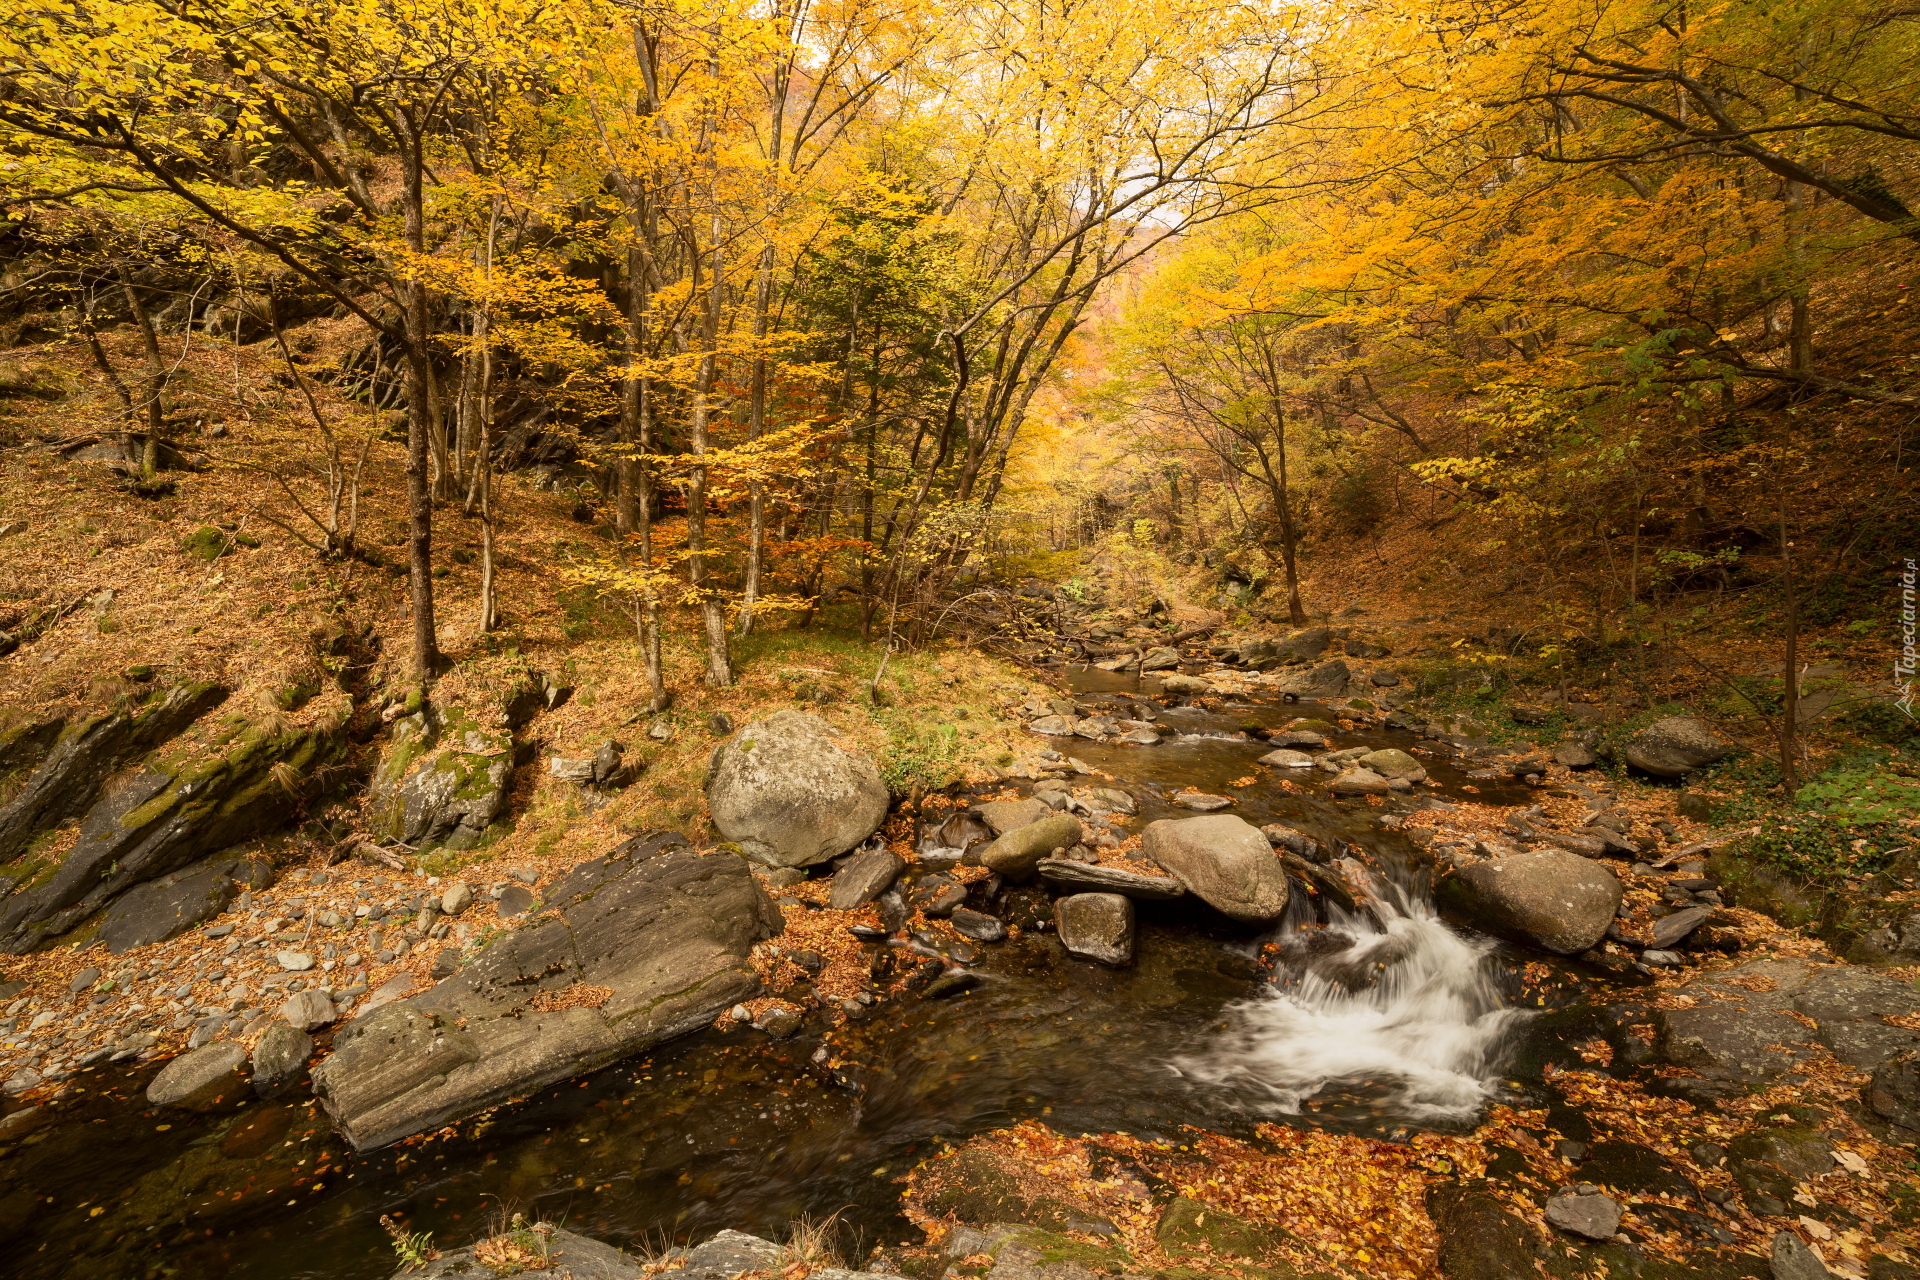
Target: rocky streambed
[{"x": 1160, "y": 930}]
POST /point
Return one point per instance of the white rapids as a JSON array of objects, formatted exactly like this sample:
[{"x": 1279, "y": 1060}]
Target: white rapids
[{"x": 1389, "y": 1000}]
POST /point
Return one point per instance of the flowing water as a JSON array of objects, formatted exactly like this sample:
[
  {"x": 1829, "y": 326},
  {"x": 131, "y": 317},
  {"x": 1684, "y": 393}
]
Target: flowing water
[{"x": 1377, "y": 1020}]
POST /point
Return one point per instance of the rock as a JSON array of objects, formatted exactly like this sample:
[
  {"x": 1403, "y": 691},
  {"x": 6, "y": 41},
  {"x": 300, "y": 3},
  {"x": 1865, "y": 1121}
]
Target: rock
[
  {"x": 665, "y": 931},
  {"x": 1391, "y": 762},
  {"x": 1298, "y": 738},
  {"x": 22, "y": 1080},
  {"x": 1798, "y": 1150},
  {"x": 456, "y": 900},
  {"x": 513, "y": 901},
  {"x": 1572, "y": 753},
  {"x": 1096, "y": 926},
  {"x": 1670, "y": 931},
  {"x": 1894, "y": 1091},
  {"x": 1054, "y": 726},
  {"x": 1184, "y": 684},
  {"x": 790, "y": 795},
  {"x": 1585, "y": 1212},
  {"x": 1300, "y": 646},
  {"x": 577, "y": 770},
  {"x": 1675, "y": 746},
  {"x": 1162, "y": 658},
  {"x": 446, "y": 963},
  {"x": 1479, "y": 1238},
  {"x": 1792, "y": 1260},
  {"x": 1202, "y": 802},
  {"x": 308, "y": 1010},
  {"x": 977, "y": 925},
  {"x": 562, "y": 1254},
  {"x": 293, "y": 961},
  {"x": 865, "y": 877},
  {"x": 1359, "y": 782},
  {"x": 1225, "y": 861},
  {"x": 1554, "y": 900},
  {"x": 1381, "y": 678},
  {"x": 1084, "y": 876},
  {"x": 442, "y": 779},
  {"x": 1286, "y": 759},
  {"x": 971, "y": 1186},
  {"x": 731, "y": 1253},
  {"x": 953, "y": 982},
  {"x": 1140, "y": 737},
  {"x": 280, "y": 1059},
  {"x": 780, "y": 1022},
  {"x": 1192, "y": 1228},
  {"x": 1002, "y": 816},
  {"x": 1017, "y": 854},
  {"x": 206, "y": 1079},
  {"x": 1328, "y": 680}
]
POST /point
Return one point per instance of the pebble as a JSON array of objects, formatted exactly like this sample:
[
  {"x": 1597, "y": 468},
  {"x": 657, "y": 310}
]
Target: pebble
[
  {"x": 1584, "y": 1211},
  {"x": 83, "y": 979},
  {"x": 741, "y": 1013},
  {"x": 456, "y": 900},
  {"x": 294, "y": 961}
]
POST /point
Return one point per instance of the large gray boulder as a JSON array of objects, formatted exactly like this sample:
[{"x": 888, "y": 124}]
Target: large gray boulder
[
  {"x": 651, "y": 942},
  {"x": 1300, "y": 646},
  {"x": 207, "y": 1079},
  {"x": 280, "y": 1059},
  {"x": 1010, "y": 815},
  {"x": 1675, "y": 746},
  {"x": 1224, "y": 860},
  {"x": 1328, "y": 680},
  {"x": 790, "y": 795},
  {"x": 1554, "y": 900},
  {"x": 1391, "y": 762},
  {"x": 443, "y": 778}
]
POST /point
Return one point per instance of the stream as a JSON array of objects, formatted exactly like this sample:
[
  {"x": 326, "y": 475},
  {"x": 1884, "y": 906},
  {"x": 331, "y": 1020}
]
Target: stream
[{"x": 1380, "y": 1021}]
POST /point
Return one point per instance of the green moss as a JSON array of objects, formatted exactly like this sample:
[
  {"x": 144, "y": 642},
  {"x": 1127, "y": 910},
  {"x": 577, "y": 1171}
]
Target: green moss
[{"x": 206, "y": 543}]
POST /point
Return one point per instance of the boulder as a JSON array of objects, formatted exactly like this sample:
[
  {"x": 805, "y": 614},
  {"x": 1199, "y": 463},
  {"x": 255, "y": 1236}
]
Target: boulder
[
  {"x": 1163, "y": 658},
  {"x": 1894, "y": 1091},
  {"x": 790, "y": 795},
  {"x": 1328, "y": 680},
  {"x": 1185, "y": 685},
  {"x": 1360, "y": 782},
  {"x": 1583, "y": 1211},
  {"x": 977, "y": 925},
  {"x": 1286, "y": 758},
  {"x": 1793, "y": 1260},
  {"x": 1225, "y": 861},
  {"x": 1096, "y": 926},
  {"x": 1300, "y": 646},
  {"x": 1675, "y": 746},
  {"x": 651, "y": 942},
  {"x": 169, "y": 906},
  {"x": 1391, "y": 762},
  {"x": 280, "y": 1059},
  {"x": 1017, "y": 854},
  {"x": 1574, "y": 753},
  {"x": 1002, "y": 816},
  {"x": 1054, "y": 726},
  {"x": 442, "y": 779},
  {"x": 1479, "y": 1238},
  {"x": 1091, "y": 877},
  {"x": 1554, "y": 900},
  {"x": 207, "y": 1079},
  {"x": 865, "y": 877},
  {"x": 308, "y": 1010}
]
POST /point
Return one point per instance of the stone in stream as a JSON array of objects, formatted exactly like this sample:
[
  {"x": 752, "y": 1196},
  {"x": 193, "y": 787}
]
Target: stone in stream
[
  {"x": 790, "y": 795},
  {"x": 1328, "y": 680},
  {"x": 654, "y": 939},
  {"x": 1297, "y": 841},
  {"x": 1225, "y": 861},
  {"x": 1002, "y": 816},
  {"x": 308, "y": 1010},
  {"x": 1140, "y": 737},
  {"x": 1675, "y": 746},
  {"x": 1554, "y": 900},
  {"x": 1016, "y": 854},
  {"x": 1584, "y": 1211},
  {"x": 1287, "y": 759},
  {"x": 1360, "y": 782},
  {"x": 1088, "y": 877},
  {"x": 1096, "y": 926},
  {"x": 1391, "y": 762},
  {"x": 280, "y": 1059},
  {"x": 1297, "y": 738},
  {"x": 206, "y": 1079},
  {"x": 1202, "y": 802},
  {"x": 1163, "y": 658},
  {"x": 1053, "y": 726},
  {"x": 1185, "y": 684},
  {"x": 977, "y": 925},
  {"x": 868, "y": 875},
  {"x": 561, "y": 1254}
]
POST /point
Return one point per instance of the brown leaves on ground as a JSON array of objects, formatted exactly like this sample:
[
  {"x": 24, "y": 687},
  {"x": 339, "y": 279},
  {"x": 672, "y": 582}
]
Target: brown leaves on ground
[{"x": 577, "y": 995}]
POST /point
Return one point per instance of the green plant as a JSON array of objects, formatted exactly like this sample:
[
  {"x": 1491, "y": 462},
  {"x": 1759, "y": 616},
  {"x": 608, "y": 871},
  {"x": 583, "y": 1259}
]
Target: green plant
[{"x": 414, "y": 1250}]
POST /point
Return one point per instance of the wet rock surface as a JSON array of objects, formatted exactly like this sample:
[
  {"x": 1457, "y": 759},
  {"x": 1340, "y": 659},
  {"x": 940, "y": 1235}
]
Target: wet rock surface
[{"x": 1555, "y": 900}]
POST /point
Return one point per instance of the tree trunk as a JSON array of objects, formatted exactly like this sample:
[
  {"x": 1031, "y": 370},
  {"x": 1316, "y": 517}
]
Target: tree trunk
[
  {"x": 712, "y": 612},
  {"x": 421, "y": 428}
]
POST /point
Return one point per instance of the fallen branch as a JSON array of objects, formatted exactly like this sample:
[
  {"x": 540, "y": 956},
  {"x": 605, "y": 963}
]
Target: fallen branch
[{"x": 1703, "y": 846}]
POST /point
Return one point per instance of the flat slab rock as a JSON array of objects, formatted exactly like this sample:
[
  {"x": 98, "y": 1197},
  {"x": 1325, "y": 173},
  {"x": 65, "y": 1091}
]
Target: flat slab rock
[
  {"x": 571, "y": 1257},
  {"x": 1093, "y": 877},
  {"x": 651, "y": 942},
  {"x": 1742, "y": 1029}
]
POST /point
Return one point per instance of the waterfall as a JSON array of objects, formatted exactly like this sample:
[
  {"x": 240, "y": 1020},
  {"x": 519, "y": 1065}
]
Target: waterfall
[{"x": 1386, "y": 1000}]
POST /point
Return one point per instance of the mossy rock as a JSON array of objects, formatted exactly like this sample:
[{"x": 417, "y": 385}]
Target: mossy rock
[
  {"x": 1054, "y": 1249},
  {"x": 1190, "y": 1226},
  {"x": 1565, "y": 1261},
  {"x": 1758, "y": 887},
  {"x": 972, "y": 1187},
  {"x": 206, "y": 543},
  {"x": 1308, "y": 725}
]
